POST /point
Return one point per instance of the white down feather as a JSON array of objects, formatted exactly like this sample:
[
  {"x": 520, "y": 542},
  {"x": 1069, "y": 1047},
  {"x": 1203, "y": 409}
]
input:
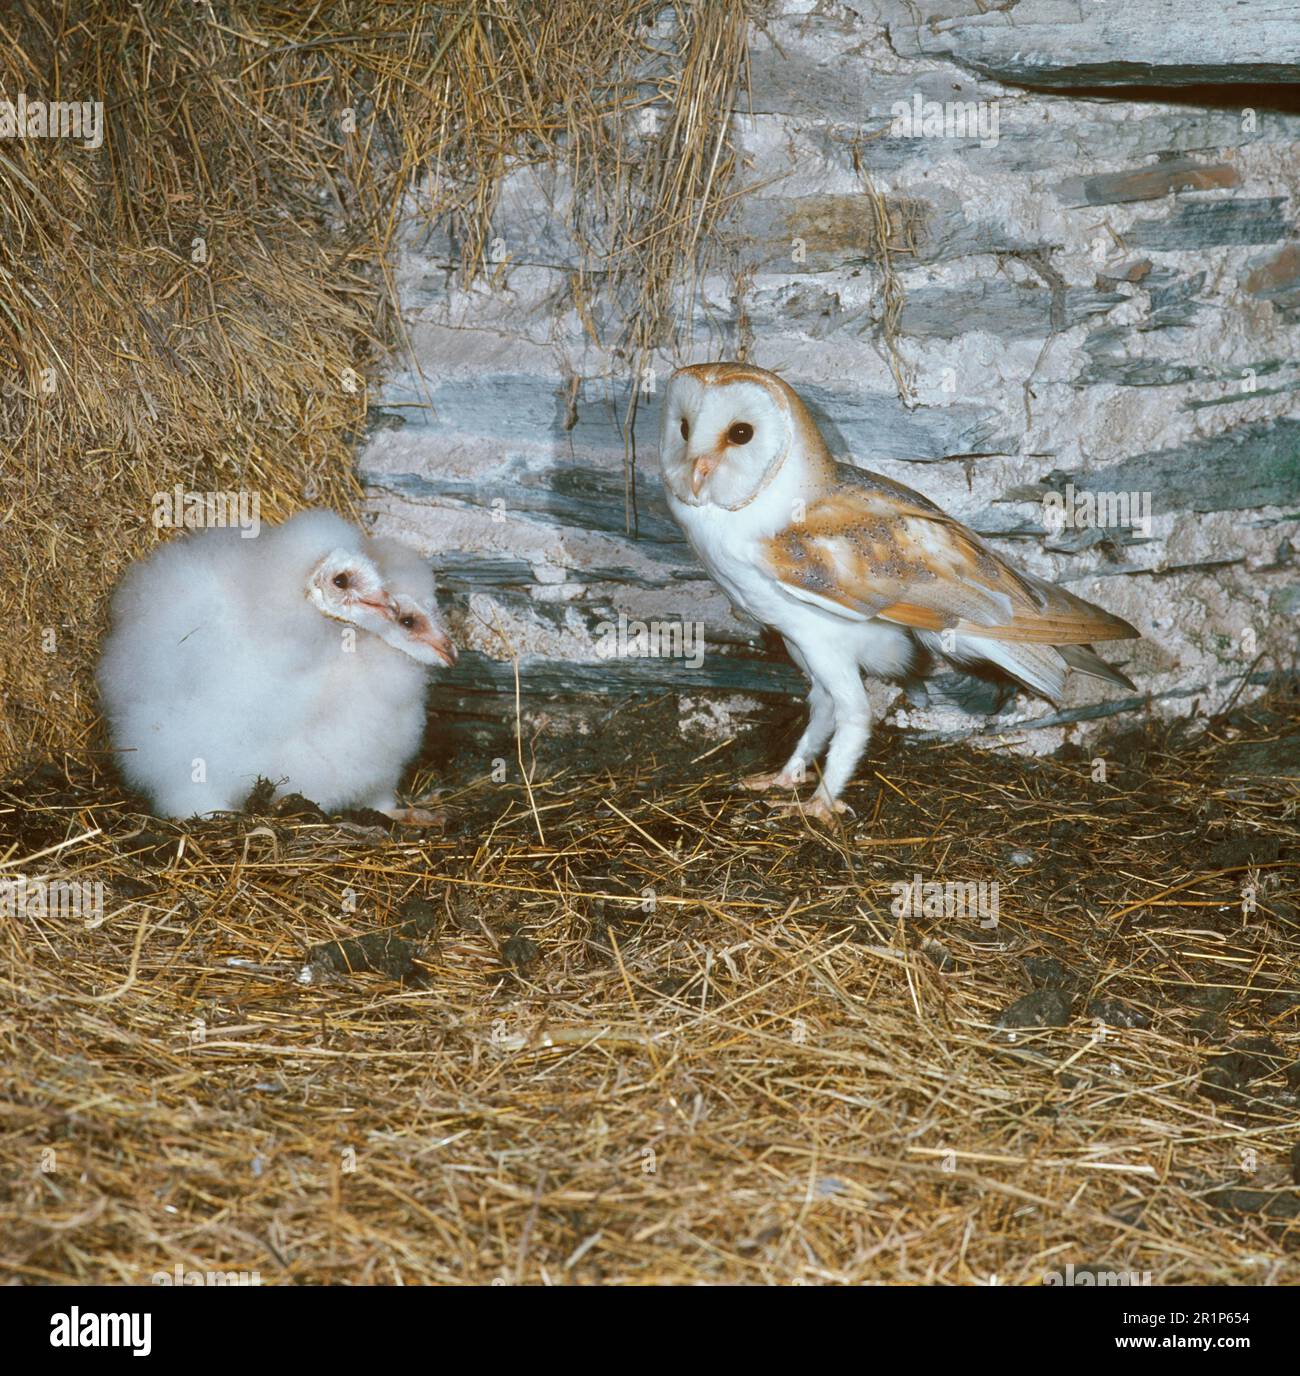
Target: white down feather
[
  {"x": 226, "y": 662},
  {"x": 368, "y": 721}
]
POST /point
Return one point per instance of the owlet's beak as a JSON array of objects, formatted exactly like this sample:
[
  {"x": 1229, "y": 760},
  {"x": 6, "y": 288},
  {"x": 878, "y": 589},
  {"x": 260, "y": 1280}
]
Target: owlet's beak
[
  {"x": 440, "y": 643},
  {"x": 381, "y": 602}
]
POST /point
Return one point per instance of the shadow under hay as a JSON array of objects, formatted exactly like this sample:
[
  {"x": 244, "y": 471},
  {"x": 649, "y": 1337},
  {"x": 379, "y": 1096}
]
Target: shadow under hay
[{"x": 636, "y": 1028}]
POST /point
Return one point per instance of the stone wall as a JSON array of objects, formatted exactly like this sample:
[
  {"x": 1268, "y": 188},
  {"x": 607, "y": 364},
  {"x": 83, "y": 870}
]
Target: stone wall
[{"x": 1079, "y": 293}]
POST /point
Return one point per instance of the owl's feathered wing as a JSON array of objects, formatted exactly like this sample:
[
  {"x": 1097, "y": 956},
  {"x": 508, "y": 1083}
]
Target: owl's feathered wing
[{"x": 872, "y": 548}]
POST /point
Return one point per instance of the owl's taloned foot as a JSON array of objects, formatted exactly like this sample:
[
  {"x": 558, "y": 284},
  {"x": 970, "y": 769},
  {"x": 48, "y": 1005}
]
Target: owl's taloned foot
[
  {"x": 816, "y": 809},
  {"x": 417, "y": 817},
  {"x": 769, "y": 783}
]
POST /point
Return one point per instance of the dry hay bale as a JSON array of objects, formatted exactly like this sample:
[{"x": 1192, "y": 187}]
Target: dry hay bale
[{"x": 198, "y": 300}]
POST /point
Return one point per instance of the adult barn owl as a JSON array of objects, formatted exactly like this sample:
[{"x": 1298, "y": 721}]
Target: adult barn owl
[{"x": 855, "y": 572}]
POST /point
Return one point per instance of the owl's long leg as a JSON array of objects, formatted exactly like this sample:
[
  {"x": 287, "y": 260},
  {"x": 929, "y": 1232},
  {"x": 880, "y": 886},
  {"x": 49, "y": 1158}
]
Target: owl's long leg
[
  {"x": 843, "y": 685},
  {"x": 841, "y": 682},
  {"x": 821, "y": 722}
]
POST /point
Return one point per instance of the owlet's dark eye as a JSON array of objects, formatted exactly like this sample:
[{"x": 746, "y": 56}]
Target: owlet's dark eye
[
  {"x": 685, "y": 429},
  {"x": 340, "y": 580},
  {"x": 407, "y": 623},
  {"x": 741, "y": 433}
]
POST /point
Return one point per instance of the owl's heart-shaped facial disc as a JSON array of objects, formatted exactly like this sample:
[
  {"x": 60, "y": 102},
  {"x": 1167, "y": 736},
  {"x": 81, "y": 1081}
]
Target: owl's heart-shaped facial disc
[{"x": 721, "y": 441}]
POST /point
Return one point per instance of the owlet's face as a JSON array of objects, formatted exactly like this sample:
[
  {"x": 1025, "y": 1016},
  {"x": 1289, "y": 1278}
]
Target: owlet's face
[
  {"x": 346, "y": 586},
  {"x": 418, "y": 631},
  {"x": 720, "y": 441}
]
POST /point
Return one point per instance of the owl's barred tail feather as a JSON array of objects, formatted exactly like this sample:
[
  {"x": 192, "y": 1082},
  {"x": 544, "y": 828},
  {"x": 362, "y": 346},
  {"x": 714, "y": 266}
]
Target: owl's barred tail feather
[
  {"x": 1047, "y": 636},
  {"x": 1040, "y": 668},
  {"x": 1083, "y": 659},
  {"x": 1028, "y": 649}
]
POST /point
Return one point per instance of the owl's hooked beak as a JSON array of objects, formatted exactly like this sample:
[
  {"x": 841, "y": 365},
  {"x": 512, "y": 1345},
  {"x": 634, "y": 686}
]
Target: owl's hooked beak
[
  {"x": 702, "y": 469},
  {"x": 441, "y": 645},
  {"x": 379, "y": 602},
  {"x": 437, "y": 642}
]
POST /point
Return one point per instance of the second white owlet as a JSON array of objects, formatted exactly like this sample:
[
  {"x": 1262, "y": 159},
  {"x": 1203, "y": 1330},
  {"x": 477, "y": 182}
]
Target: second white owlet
[{"x": 855, "y": 572}]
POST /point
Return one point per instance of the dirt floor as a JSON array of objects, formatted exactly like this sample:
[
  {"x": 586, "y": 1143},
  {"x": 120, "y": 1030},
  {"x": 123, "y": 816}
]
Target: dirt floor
[{"x": 627, "y": 1025}]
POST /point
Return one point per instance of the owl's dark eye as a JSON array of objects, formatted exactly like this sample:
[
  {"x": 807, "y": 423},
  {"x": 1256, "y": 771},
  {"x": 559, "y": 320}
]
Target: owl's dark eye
[
  {"x": 340, "y": 580},
  {"x": 685, "y": 429},
  {"x": 741, "y": 433},
  {"x": 407, "y": 623}
]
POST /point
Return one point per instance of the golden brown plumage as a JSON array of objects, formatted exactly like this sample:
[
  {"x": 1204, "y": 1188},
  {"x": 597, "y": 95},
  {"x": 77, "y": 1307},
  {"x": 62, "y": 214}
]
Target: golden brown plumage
[{"x": 876, "y": 547}]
